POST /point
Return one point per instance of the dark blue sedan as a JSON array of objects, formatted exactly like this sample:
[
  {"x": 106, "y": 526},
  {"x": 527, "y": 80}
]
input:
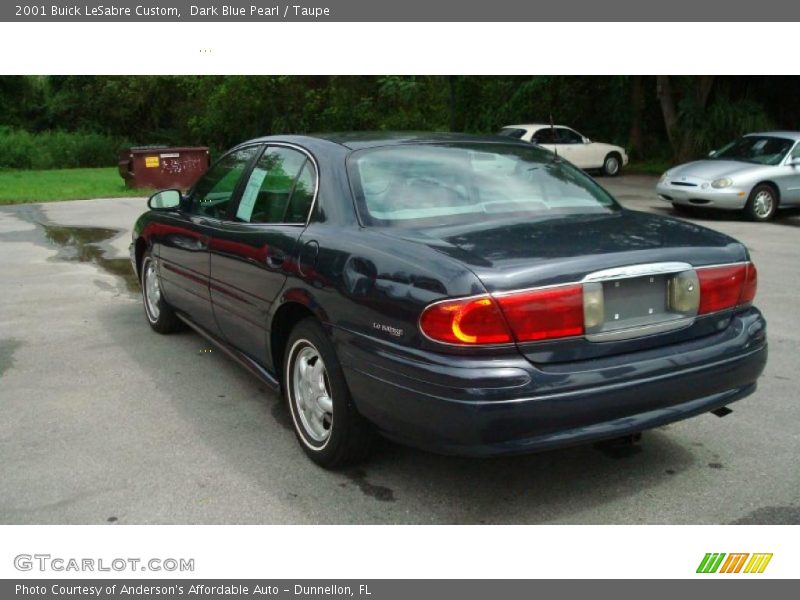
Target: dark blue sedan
[{"x": 468, "y": 295}]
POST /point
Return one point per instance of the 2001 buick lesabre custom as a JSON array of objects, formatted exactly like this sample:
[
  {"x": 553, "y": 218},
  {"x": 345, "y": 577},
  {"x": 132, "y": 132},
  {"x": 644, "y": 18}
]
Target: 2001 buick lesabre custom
[{"x": 463, "y": 294}]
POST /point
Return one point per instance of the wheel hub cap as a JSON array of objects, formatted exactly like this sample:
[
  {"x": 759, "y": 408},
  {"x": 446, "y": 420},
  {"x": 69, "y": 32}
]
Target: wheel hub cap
[
  {"x": 762, "y": 205},
  {"x": 312, "y": 397},
  {"x": 152, "y": 291}
]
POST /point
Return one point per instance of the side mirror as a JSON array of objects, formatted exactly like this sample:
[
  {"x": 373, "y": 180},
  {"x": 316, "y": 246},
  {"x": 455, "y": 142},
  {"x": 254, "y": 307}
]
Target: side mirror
[
  {"x": 587, "y": 140},
  {"x": 165, "y": 200},
  {"x": 712, "y": 153},
  {"x": 794, "y": 162}
]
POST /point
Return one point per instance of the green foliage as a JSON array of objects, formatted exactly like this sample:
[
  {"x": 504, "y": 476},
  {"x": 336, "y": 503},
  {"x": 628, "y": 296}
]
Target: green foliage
[
  {"x": 83, "y": 120},
  {"x": 20, "y": 149},
  {"x": 720, "y": 123}
]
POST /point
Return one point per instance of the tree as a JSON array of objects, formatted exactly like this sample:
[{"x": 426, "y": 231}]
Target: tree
[{"x": 694, "y": 99}]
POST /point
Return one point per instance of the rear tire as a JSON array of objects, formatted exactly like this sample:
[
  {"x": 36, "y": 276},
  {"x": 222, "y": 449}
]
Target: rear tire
[
  {"x": 159, "y": 314},
  {"x": 612, "y": 165},
  {"x": 762, "y": 204},
  {"x": 329, "y": 428}
]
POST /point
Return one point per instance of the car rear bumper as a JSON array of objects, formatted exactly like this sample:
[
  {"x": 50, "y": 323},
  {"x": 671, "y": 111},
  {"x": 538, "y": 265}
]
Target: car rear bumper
[
  {"x": 506, "y": 405},
  {"x": 726, "y": 199}
]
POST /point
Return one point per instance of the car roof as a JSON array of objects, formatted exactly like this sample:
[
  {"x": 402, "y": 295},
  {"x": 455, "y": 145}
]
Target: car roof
[
  {"x": 792, "y": 135},
  {"x": 356, "y": 140},
  {"x": 534, "y": 126}
]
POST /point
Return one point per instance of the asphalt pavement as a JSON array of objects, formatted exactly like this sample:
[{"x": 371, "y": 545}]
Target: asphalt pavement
[{"x": 104, "y": 421}]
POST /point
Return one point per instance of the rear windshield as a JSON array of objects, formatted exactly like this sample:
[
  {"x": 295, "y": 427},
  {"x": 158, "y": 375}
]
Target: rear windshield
[
  {"x": 511, "y": 132},
  {"x": 450, "y": 184}
]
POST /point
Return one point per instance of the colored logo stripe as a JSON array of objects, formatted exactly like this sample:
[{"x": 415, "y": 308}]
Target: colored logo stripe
[
  {"x": 710, "y": 562},
  {"x": 758, "y": 563},
  {"x": 733, "y": 564}
]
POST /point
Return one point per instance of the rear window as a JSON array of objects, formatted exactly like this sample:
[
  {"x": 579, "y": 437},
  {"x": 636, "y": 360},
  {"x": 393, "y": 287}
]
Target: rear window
[
  {"x": 434, "y": 185},
  {"x": 511, "y": 132}
]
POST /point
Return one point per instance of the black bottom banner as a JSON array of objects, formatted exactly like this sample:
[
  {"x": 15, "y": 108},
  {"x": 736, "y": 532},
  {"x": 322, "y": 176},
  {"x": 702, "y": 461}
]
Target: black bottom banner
[{"x": 383, "y": 589}]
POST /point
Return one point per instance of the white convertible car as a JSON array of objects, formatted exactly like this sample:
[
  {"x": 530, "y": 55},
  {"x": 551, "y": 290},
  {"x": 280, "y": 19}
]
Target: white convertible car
[{"x": 572, "y": 146}]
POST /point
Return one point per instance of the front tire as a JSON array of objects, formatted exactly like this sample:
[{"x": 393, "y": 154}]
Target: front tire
[
  {"x": 159, "y": 314},
  {"x": 762, "y": 203},
  {"x": 683, "y": 209},
  {"x": 327, "y": 425},
  {"x": 612, "y": 165}
]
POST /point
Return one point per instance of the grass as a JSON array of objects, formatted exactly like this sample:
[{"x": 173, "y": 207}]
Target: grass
[
  {"x": 19, "y": 187},
  {"x": 647, "y": 167}
]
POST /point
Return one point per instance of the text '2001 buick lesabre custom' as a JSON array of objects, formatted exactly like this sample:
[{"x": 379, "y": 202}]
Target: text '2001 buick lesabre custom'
[{"x": 468, "y": 295}]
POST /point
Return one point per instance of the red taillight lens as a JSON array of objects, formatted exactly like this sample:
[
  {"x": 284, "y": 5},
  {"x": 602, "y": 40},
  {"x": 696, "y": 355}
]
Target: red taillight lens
[
  {"x": 750, "y": 285},
  {"x": 534, "y": 315},
  {"x": 726, "y": 287},
  {"x": 467, "y": 321},
  {"x": 544, "y": 314}
]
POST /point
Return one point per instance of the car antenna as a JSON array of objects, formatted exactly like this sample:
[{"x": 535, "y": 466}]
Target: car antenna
[{"x": 553, "y": 133}]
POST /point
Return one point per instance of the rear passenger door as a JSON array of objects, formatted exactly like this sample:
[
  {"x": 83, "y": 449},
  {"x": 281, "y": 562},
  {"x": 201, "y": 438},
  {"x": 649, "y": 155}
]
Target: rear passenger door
[{"x": 254, "y": 250}]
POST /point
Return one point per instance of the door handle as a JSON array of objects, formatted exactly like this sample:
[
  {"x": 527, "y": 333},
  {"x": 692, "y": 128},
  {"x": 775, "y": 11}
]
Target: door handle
[{"x": 275, "y": 261}]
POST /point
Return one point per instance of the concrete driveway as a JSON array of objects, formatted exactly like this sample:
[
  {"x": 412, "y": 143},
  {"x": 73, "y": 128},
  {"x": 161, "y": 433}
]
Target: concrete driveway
[{"x": 105, "y": 421}]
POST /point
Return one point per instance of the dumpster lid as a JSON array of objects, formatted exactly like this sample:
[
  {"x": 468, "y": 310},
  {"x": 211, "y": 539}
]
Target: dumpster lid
[{"x": 154, "y": 149}]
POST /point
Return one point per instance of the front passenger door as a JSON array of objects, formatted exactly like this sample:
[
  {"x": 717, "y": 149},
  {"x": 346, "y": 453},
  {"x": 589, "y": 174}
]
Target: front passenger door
[
  {"x": 570, "y": 143},
  {"x": 254, "y": 251},
  {"x": 184, "y": 238},
  {"x": 789, "y": 179}
]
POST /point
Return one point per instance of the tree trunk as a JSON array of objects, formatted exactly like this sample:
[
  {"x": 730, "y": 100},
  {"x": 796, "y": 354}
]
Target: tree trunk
[
  {"x": 703, "y": 85},
  {"x": 451, "y": 80},
  {"x": 667, "y": 101},
  {"x": 680, "y": 141},
  {"x": 702, "y": 90},
  {"x": 635, "y": 142}
]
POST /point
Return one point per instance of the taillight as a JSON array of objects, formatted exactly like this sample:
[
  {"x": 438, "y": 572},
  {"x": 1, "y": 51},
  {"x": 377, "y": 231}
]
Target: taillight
[
  {"x": 531, "y": 315},
  {"x": 544, "y": 314},
  {"x": 726, "y": 287},
  {"x": 576, "y": 309},
  {"x": 465, "y": 321},
  {"x": 750, "y": 285}
]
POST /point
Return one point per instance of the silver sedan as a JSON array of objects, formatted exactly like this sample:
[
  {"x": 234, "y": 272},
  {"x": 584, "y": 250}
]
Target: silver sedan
[{"x": 758, "y": 173}]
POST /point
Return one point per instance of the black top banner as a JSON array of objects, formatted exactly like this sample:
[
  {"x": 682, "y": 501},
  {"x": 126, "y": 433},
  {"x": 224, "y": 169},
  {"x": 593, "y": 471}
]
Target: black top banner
[{"x": 403, "y": 10}]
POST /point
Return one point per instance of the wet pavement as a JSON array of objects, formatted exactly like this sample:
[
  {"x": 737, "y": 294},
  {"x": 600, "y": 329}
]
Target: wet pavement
[{"x": 105, "y": 421}]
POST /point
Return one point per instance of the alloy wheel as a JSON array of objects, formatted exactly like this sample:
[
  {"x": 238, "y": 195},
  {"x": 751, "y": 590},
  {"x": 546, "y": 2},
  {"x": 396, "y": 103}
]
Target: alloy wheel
[
  {"x": 763, "y": 204},
  {"x": 152, "y": 291},
  {"x": 311, "y": 394}
]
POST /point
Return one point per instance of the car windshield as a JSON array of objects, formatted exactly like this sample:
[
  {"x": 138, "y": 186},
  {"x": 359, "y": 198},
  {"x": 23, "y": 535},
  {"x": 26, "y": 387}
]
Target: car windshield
[
  {"x": 432, "y": 185},
  {"x": 758, "y": 149}
]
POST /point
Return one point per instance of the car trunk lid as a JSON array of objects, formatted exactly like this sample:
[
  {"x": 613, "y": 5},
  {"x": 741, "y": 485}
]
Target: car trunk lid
[{"x": 630, "y": 259}]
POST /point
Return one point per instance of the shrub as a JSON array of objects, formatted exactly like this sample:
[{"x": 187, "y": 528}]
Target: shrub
[{"x": 20, "y": 149}]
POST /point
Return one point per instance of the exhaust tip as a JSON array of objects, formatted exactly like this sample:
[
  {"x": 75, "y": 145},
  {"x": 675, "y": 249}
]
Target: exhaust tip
[{"x": 722, "y": 411}]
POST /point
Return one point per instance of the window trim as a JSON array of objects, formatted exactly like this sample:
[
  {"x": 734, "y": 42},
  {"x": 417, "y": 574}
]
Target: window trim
[
  {"x": 549, "y": 129},
  {"x": 309, "y": 158},
  {"x": 237, "y": 190},
  {"x": 558, "y": 133},
  {"x": 790, "y": 155}
]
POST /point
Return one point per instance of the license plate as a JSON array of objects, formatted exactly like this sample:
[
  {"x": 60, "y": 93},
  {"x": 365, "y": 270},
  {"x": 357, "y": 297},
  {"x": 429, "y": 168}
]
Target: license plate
[{"x": 634, "y": 299}]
